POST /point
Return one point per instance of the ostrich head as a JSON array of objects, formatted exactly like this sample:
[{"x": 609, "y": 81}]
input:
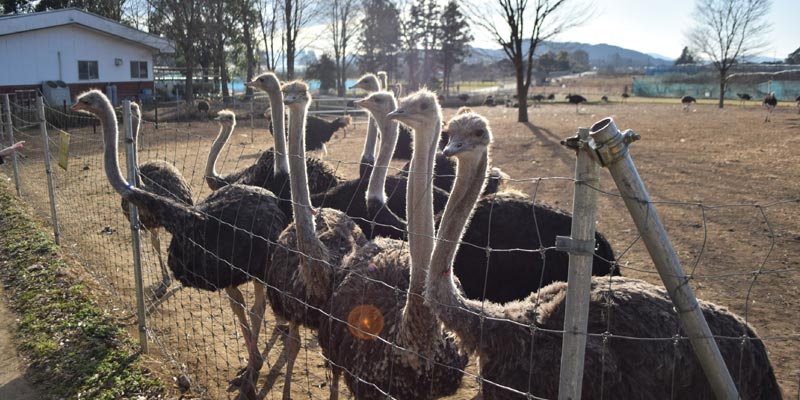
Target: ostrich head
[
  {"x": 226, "y": 118},
  {"x": 295, "y": 94},
  {"x": 267, "y": 81},
  {"x": 368, "y": 82},
  {"x": 418, "y": 110},
  {"x": 383, "y": 78},
  {"x": 379, "y": 104},
  {"x": 92, "y": 102},
  {"x": 469, "y": 133}
]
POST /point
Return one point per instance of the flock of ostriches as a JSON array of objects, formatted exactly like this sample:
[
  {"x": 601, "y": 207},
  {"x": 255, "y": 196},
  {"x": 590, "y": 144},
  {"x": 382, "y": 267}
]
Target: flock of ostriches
[{"x": 391, "y": 270}]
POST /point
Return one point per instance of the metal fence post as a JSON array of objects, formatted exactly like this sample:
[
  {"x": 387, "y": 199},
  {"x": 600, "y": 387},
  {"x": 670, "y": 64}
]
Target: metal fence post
[
  {"x": 610, "y": 147},
  {"x": 48, "y": 169},
  {"x": 581, "y": 255},
  {"x": 252, "y": 118},
  {"x": 10, "y": 129},
  {"x": 130, "y": 151}
]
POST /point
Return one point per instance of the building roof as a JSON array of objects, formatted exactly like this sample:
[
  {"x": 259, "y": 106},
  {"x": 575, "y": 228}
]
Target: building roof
[{"x": 18, "y": 23}]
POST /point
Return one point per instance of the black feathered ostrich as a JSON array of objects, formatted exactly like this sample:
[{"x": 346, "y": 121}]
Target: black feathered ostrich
[
  {"x": 519, "y": 343},
  {"x": 797, "y": 100},
  {"x": 203, "y": 108},
  {"x": 575, "y": 99},
  {"x": 743, "y": 97},
  {"x": 770, "y": 102},
  {"x": 687, "y": 102},
  {"x": 220, "y": 243},
  {"x": 269, "y": 172},
  {"x": 306, "y": 263},
  {"x": 625, "y": 96},
  {"x": 163, "y": 179},
  {"x": 382, "y": 295}
]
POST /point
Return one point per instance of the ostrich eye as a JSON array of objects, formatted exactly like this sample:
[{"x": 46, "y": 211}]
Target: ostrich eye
[
  {"x": 261, "y": 79},
  {"x": 479, "y": 132},
  {"x": 423, "y": 106},
  {"x": 378, "y": 100}
]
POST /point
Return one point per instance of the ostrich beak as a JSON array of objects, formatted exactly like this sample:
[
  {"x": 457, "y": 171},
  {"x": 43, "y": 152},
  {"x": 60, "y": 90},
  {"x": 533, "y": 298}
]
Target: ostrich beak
[
  {"x": 452, "y": 148},
  {"x": 397, "y": 114},
  {"x": 251, "y": 84},
  {"x": 76, "y": 106},
  {"x": 360, "y": 103},
  {"x": 289, "y": 99}
]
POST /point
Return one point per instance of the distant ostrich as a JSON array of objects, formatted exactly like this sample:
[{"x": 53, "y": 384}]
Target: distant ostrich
[
  {"x": 770, "y": 102},
  {"x": 625, "y": 96},
  {"x": 576, "y": 99},
  {"x": 551, "y": 97},
  {"x": 222, "y": 242},
  {"x": 797, "y": 100},
  {"x": 320, "y": 131},
  {"x": 305, "y": 265},
  {"x": 515, "y": 229},
  {"x": 743, "y": 97},
  {"x": 464, "y": 97},
  {"x": 489, "y": 101},
  {"x": 539, "y": 98},
  {"x": 383, "y": 79},
  {"x": 203, "y": 107},
  {"x": 687, "y": 101},
  {"x": 519, "y": 343},
  {"x": 371, "y": 84},
  {"x": 163, "y": 179},
  {"x": 382, "y": 296},
  {"x": 604, "y": 99},
  {"x": 377, "y": 204}
]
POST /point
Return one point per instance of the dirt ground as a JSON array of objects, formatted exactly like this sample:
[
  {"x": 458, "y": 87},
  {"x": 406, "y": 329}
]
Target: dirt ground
[
  {"x": 13, "y": 384},
  {"x": 726, "y": 184}
]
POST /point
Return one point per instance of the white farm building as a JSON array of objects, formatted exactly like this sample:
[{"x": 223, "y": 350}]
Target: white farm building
[{"x": 81, "y": 50}]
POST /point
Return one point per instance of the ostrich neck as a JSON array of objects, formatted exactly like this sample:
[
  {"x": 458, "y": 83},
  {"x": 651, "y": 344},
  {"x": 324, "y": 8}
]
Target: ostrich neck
[
  {"x": 213, "y": 179},
  {"x": 281, "y": 158},
  {"x": 110, "y": 161},
  {"x": 301, "y": 199},
  {"x": 377, "y": 182},
  {"x": 441, "y": 289},
  {"x": 136, "y": 117},
  {"x": 368, "y": 154}
]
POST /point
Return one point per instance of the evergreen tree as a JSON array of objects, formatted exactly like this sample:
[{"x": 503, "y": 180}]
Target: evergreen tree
[
  {"x": 794, "y": 58},
  {"x": 380, "y": 39},
  {"x": 323, "y": 70},
  {"x": 686, "y": 57},
  {"x": 455, "y": 36}
]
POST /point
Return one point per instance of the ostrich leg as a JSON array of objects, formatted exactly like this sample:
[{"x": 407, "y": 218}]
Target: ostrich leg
[
  {"x": 292, "y": 348},
  {"x": 159, "y": 289},
  {"x": 238, "y": 306}
]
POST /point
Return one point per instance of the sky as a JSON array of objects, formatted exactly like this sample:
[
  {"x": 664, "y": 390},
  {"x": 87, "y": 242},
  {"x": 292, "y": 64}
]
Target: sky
[{"x": 660, "y": 26}]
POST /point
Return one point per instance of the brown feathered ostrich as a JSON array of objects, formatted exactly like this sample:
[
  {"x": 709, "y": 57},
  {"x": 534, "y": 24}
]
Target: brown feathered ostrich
[
  {"x": 370, "y": 84},
  {"x": 163, "y": 179},
  {"x": 380, "y": 305},
  {"x": 306, "y": 265},
  {"x": 519, "y": 343},
  {"x": 770, "y": 102},
  {"x": 220, "y": 243},
  {"x": 269, "y": 172}
]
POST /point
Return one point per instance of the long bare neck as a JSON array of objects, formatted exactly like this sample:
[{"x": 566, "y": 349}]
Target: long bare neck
[
  {"x": 419, "y": 208},
  {"x": 213, "y": 180},
  {"x": 368, "y": 153},
  {"x": 281, "y": 158},
  {"x": 440, "y": 288},
  {"x": 377, "y": 181},
  {"x": 136, "y": 117}
]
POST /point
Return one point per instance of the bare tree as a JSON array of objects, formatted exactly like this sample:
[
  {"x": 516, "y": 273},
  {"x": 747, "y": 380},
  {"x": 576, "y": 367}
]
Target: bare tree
[
  {"x": 181, "y": 21},
  {"x": 297, "y": 14},
  {"x": 727, "y": 31},
  {"x": 268, "y": 16},
  {"x": 541, "y": 19},
  {"x": 344, "y": 27}
]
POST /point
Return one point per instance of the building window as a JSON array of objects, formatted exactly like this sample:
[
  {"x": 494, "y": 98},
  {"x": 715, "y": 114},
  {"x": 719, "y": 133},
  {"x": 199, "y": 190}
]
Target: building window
[
  {"x": 139, "y": 69},
  {"x": 87, "y": 70}
]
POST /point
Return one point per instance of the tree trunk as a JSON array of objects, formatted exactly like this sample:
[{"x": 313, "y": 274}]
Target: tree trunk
[
  {"x": 522, "y": 92},
  {"x": 249, "y": 50},
  {"x": 722, "y": 78}
]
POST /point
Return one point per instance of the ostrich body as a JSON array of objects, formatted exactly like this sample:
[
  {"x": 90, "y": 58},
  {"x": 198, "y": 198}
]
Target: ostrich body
[
  {"x": 203, "y": 108},
  {"x": 370, "y": 84},
  {"x": 382, "y": 295},
  {"x": 625, "y": 96},
  {"x": 538, "y": 98},
  {"x": 687, "y": 101},
  {"x": 220, "y": 243},
  {"x": 770, "y": 102},
  {"x": 163, "y": 179},
  {"x": 575, "y": 99},
  {"x": 743, "y": 97},
  {"x": 306, "y": 264},
  {"x": 320, "y": 131},
  {"x": 604, "y": 99},
  {"x": 519, "y": 343},
  {"x": 269, "y": 172},
  {"x": 797, "y": 100}
]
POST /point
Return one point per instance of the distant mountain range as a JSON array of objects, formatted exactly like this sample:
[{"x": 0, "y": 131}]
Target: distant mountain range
[{"x": 600, "y": 55}]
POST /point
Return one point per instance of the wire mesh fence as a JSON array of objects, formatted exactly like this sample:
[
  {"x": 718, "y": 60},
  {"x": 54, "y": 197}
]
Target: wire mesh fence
[{"x": 741, "y": 254}]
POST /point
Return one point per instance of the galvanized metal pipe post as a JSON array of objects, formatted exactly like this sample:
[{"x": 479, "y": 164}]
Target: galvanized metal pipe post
[
  {"x": 48, "y": 169},
  {"x": 610, "y": 147},
  {"x": 130, "y": 149},
  {"x": 9, "y": 124},
  {"x": 581, "y": 255}
]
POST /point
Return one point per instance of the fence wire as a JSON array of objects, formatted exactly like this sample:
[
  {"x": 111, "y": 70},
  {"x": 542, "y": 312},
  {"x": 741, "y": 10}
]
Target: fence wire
[{"x": 198, "y": 337}]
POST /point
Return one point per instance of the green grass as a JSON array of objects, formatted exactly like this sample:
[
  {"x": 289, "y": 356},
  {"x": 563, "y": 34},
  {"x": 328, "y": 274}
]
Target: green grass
[{"x": 74, "y": 349}]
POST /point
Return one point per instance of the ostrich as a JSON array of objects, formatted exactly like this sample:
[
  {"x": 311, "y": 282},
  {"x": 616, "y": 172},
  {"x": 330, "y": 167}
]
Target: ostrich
[
  {"x": 382, "y": 295},
  {"x": 687, "y": 101},
  {"x": 320, "y": 131},
  {"x": 604, "y": 99},
  {"x": 797, "y": 100},
  {"x": 743, "y": 97},
  {"x": 519, "y": 343},
  {"x": 625, "y": 96},
  {"x": 575, "y": 99},
  {"x": 220, "y": 243},
  {"x": 305, "y": 265},
  {"x": 269, "y": 172},
  {"x": 464, "y": 97},
  {"x": 358, "y": 198},
  {"x": 489, "y": 101},
  {"x": 370, "y": 84},
  {"x": 383, "y": 78},
  {"x": 163, "y": 179},
  {"x": 203, "y": 107},
  {"x": 770, "y": 102},
  {"x": 551, "y": 97},
  {"x": 538, "y": 98}
]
